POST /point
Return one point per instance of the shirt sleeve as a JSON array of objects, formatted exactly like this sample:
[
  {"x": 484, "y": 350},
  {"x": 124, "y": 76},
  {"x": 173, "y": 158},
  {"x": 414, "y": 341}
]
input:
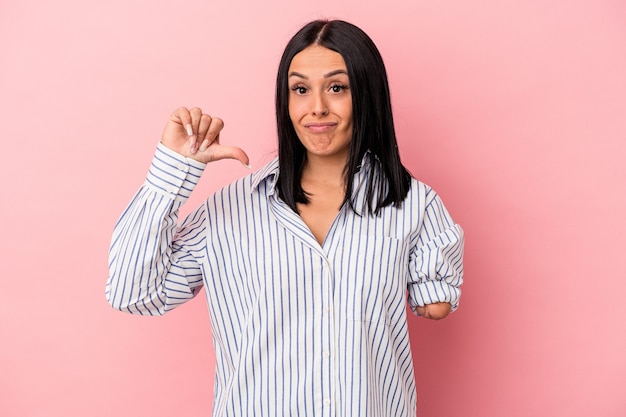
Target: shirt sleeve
[
  {"x": 152, "y": 264},
  {"x": 436, "y": 262}
]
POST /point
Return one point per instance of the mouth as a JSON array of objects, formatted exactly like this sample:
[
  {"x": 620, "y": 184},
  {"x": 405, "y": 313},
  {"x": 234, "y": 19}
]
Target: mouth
[{"x": 319, "y": 127}]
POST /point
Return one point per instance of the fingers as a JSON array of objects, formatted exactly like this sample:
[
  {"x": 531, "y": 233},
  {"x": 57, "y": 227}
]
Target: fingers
[
  {"x": 436, "y": 311},
  {"x": 209, "y": 131},
  {"x": 201, "y": 129},
  {"x": 203, "y": 133},
  {"x": 192, "y": 128},
  {"x": 421, "y": 311},
  {"x": 178, "y": 130}
]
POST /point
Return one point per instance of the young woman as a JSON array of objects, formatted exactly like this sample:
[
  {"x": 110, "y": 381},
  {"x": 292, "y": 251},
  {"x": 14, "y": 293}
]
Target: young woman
[{"x": 307, "y": 262}]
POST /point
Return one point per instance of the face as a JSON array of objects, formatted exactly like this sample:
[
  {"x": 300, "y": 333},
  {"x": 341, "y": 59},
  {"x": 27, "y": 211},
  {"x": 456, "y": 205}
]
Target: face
[{"x": 320, "y": 102}]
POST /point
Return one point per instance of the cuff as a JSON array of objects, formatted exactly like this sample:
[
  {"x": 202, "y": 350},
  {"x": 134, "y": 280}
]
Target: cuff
[
  {"x": 431, "y": 292},
  {"x": 172, "y": 174}
]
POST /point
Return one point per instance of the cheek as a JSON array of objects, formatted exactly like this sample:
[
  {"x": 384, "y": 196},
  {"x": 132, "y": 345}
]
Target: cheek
[
  {"x": 295, "y": 119},
  {"x": 347, "y": 115},
  {"x": 295, "y": 110},
  {"x": 344, "y": 109}
]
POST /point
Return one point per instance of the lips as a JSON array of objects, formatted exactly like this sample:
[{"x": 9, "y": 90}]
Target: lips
[{"x": 319, "y": 127}]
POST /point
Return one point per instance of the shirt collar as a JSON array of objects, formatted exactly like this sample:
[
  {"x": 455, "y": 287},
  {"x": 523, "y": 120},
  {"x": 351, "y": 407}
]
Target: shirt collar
[{"x": 269, "y": 172}]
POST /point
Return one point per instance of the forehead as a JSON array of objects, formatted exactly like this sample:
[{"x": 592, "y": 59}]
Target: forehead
[{"x": 316, "y": 58}]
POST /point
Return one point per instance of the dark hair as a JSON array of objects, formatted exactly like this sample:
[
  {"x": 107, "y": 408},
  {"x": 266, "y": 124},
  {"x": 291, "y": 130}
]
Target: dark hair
[{"x": 372, "y": 120}]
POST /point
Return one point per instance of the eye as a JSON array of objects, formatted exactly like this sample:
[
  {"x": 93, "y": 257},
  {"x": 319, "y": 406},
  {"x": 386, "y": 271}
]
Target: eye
[
  {"x": 338, "y": 88},
  {"x": 299, "y": 89}
]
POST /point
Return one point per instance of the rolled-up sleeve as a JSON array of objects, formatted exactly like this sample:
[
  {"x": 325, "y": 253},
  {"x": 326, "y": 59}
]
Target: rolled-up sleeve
[
  {"x": 153, "y": 262},
  {"x": 436, "y": 261}
]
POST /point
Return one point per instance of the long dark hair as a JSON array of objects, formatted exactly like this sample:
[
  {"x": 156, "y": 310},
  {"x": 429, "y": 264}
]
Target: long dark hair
[{"x": 372, "y": 120}]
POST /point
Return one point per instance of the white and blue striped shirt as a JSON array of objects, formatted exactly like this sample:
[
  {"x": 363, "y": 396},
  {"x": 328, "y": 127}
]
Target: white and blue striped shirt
[{"x": 299, "y": 329}]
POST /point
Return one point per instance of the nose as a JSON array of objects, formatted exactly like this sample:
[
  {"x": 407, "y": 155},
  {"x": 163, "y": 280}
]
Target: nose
[{"x": 320, "y": 107}]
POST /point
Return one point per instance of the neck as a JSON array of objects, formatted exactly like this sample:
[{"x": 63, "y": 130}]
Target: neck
[{"x": 326, "y": 169}]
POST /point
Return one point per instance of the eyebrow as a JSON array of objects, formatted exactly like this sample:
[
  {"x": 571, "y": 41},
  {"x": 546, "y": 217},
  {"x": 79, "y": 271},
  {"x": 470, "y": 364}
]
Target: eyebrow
[{"x": 327, "y": 75}]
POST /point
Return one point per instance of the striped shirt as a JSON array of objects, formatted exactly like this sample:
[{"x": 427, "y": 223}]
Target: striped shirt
[{"x": 299, "y": 329}]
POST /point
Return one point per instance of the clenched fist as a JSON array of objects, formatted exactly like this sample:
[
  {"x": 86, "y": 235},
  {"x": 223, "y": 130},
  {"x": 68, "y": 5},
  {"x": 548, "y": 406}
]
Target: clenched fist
[
  {"x": 436, "y": 311},
  {"x": 196, "y": 135}
]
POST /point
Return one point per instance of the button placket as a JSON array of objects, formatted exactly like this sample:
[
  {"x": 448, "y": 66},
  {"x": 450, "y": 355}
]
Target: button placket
[{"x": 327, "y": 365}]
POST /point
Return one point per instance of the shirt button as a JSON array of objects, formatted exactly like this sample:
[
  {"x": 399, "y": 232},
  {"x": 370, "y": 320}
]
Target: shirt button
[
  {"x": 181, "y": 167},
  {"x": 327, "y": 401},
  {"x": 326, "y": 353},
  {"x": 326, "y": 310}
]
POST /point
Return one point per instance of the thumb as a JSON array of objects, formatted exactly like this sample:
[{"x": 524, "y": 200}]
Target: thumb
[{"x": 230, "y": 152}]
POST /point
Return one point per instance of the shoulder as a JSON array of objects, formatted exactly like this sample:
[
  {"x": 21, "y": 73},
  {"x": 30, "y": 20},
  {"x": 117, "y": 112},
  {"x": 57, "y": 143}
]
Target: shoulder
[
  {"x": 420, "y": 192},
  {"x": 246, "y": 188}
]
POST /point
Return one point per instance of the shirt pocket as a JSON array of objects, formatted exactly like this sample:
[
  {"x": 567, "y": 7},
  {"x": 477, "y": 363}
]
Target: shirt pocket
[{"x": 374, "y": 285}]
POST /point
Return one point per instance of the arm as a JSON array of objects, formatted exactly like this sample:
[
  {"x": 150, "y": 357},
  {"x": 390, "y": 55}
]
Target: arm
[
  {"x": 151, "y": 269},
  {"x": 153, "y": 263},
  {"x": 436, "y": 265}
]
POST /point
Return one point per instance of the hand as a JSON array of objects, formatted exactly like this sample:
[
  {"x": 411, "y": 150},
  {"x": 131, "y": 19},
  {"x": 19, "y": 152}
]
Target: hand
[
  {"x": 436, "y": 311},
  {"x": 196, "y": 135}
]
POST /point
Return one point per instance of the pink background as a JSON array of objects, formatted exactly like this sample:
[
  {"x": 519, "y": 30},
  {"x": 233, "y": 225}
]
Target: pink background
[{"x": 515, "y": 111}]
